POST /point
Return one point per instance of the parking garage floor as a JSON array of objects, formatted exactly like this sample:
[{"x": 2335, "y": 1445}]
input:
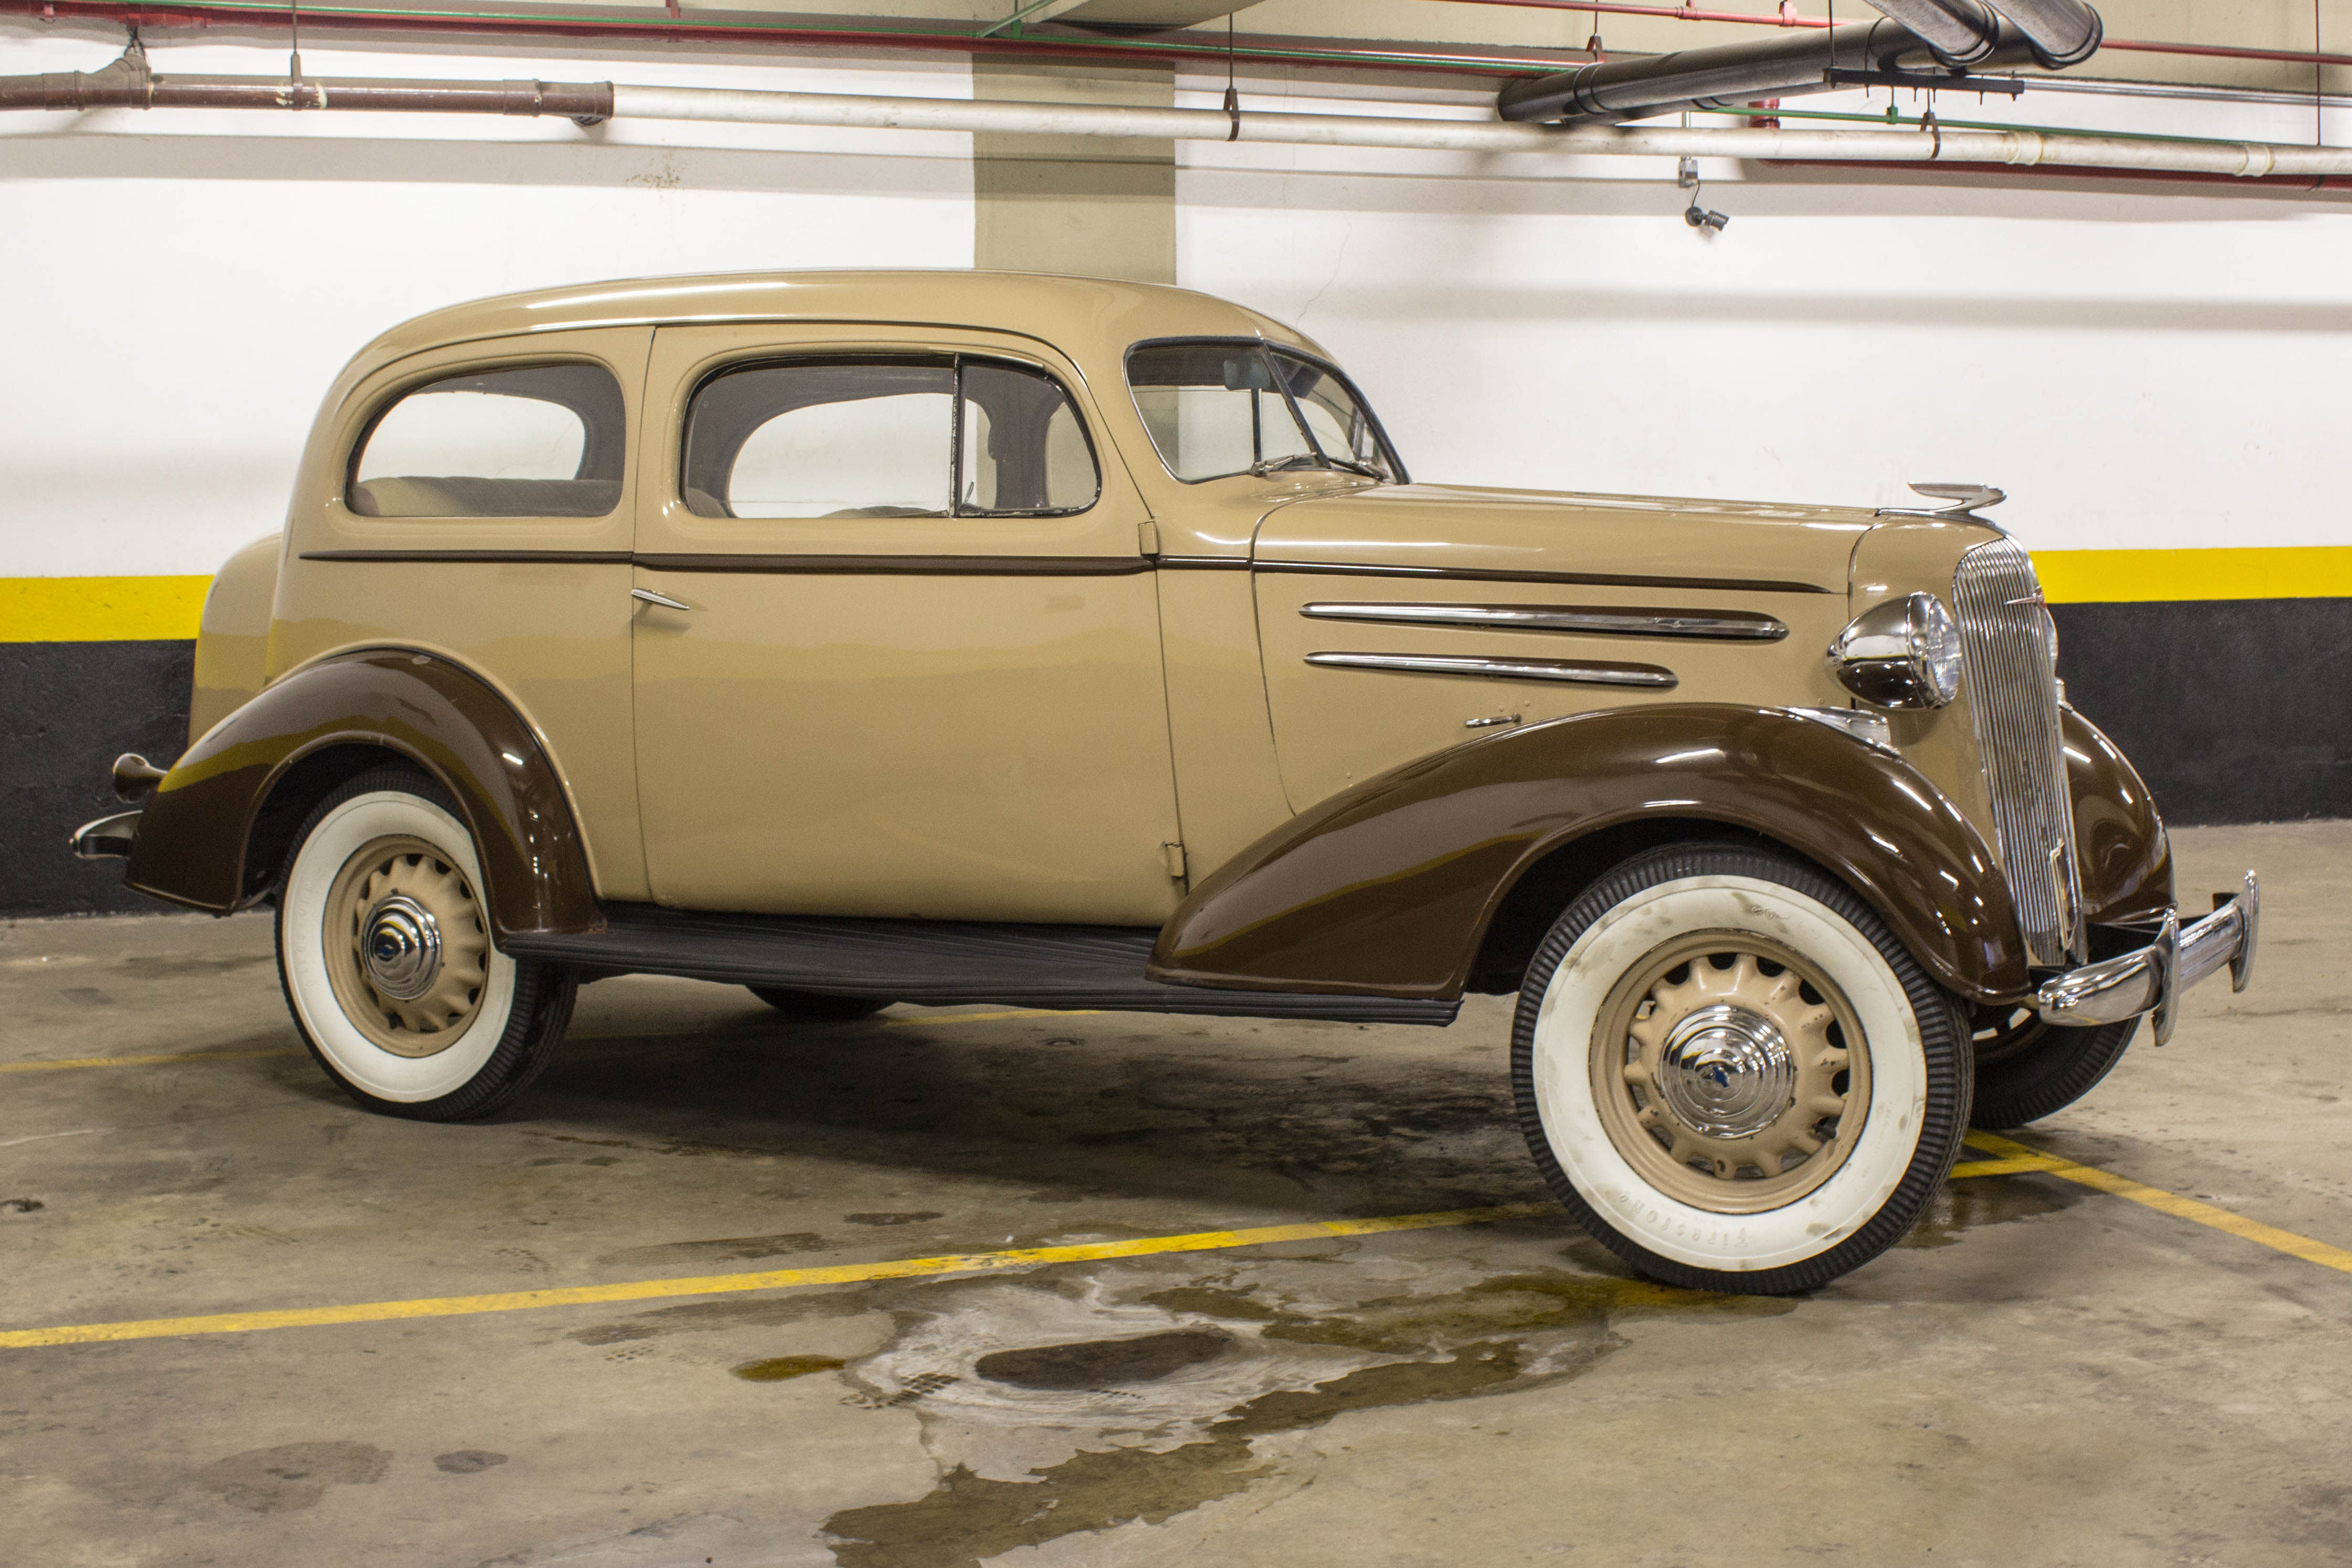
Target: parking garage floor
[{"x": 675, "y": 1307}]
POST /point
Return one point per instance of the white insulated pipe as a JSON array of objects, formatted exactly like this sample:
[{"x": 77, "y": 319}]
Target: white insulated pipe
[{"x": 2020, "y": 148}]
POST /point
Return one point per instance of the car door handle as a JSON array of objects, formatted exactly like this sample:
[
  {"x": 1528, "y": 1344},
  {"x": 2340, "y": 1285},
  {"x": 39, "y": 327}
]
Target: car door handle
[{"x": 647, "y": 596}]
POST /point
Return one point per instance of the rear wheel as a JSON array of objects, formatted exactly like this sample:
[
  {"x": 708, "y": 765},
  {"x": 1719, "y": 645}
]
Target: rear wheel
[
  {"x": 2027, "y": 1069},
  {"x": 1732, "y": 1074},
  {"x": 384, "y": 951},
  {"x": 817, "y": 1007}
]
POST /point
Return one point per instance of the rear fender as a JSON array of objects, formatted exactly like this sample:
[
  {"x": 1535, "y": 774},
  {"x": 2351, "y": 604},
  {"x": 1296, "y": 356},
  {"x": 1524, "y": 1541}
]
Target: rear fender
[
  {"x": 1388, "y": 888},
  {"x": 213, "y": 831}
]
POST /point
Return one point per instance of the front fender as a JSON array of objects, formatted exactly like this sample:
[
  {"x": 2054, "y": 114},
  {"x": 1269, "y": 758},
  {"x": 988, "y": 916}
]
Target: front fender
[
  {"x": 199, "y": 830},
  {"x": 2121, "y": 850},
  {"x": 1387, "y": 888}
]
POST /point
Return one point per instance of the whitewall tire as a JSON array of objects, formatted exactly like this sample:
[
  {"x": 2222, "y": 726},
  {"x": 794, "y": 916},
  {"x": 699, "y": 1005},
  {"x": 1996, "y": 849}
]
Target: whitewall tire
[
  {"x": 1732, "y": 1074},
  {"x": 385, "y": 954}
]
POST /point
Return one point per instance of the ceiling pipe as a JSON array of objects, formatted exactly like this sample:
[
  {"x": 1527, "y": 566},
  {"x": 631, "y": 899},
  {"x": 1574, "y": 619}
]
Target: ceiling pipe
[
  {"x": 1726, "y": 76},
  {"x": 1962, "y": 33},
  {"x": 2015, "y": 149},
  {"x": 2064, "y": 32}
]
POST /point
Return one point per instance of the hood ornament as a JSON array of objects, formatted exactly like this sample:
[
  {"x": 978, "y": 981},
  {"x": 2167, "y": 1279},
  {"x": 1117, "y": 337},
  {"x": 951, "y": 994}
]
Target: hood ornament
[{"x": 1965, "y": 499}]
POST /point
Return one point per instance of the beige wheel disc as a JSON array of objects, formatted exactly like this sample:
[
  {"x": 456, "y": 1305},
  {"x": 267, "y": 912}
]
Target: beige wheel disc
[
  {"x": 406, "y": 945},
  {"x": 1729, "y": 1072}
]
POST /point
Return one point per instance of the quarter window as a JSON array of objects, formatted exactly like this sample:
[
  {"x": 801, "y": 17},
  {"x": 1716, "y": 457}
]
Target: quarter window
[
  {"x": 885, "y": 438},
  {"x": 1221, "y": 406},
  {"x": 538, "y": 441}
]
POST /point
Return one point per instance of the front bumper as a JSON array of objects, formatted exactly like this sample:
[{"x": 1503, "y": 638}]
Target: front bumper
[{"x": 2151, "y": 979}]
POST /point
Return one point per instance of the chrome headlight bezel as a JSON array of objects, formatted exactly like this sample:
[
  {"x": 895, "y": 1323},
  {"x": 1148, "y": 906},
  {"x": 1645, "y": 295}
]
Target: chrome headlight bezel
[{"x": 1902, "y": 654}]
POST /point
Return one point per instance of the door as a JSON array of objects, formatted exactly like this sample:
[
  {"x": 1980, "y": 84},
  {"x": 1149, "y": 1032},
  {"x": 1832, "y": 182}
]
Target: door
[{"x": 896, "y": 648}]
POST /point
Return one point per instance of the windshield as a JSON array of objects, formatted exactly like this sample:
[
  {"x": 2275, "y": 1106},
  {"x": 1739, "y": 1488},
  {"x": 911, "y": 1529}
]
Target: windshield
[{"x": 1221, "y": 406}]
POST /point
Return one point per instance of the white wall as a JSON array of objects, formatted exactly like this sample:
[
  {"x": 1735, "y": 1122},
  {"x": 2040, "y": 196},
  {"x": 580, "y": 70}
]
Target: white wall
[
  {"x": 178, "y": 289},
  {"x": 2152, "y": 366},
  {"x": 2149, "y": 366}
]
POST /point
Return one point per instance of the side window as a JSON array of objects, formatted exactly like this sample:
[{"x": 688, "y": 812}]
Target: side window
[
  {"x": 885, "y": 438},
  {"x": 1024, "y": 450},
  {"x": 858, "y": 439},
  {"x": 538, "y": 441}
]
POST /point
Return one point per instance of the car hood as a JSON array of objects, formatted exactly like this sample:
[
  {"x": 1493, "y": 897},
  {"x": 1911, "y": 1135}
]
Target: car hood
[{"x": 1637, "y": 540}]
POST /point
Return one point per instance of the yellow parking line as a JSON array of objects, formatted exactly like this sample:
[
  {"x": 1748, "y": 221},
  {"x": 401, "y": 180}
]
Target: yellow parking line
[
  {"x": 139, "y": 1061},
  {"x": 1998, "y": 1167},
  {"x": 768, "y": 1280},
  {"x": 2164, "y": 1202}
]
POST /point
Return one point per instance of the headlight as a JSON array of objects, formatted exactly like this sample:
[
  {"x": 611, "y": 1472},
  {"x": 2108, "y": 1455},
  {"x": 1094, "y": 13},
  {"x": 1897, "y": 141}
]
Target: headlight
[{"x": 1904, "y": 654}]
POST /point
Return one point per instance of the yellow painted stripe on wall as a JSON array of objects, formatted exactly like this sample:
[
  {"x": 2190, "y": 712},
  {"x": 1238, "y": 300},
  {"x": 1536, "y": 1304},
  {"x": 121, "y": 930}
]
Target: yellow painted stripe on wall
[
  {"x": 2136, "y": 576},
  {"x": 99, "y": 609}
]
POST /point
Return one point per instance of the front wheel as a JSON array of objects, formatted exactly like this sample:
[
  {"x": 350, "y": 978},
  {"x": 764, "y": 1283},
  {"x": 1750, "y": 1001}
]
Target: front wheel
[
  {"x": 384, "y": 950},
  {"x": 2027, "y": 1069},
  {"x": 1733, "y": 1075}
]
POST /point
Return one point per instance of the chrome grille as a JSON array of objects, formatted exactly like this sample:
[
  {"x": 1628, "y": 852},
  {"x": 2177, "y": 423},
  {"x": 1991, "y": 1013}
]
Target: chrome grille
[{"x": 2007, "y": 641}]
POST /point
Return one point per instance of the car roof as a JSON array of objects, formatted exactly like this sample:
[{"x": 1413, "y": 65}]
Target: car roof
[{"x": 1091, "y": 319}]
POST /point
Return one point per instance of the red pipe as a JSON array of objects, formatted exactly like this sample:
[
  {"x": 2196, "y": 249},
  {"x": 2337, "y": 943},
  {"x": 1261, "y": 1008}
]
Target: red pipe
[{"x": 2053, "y": 171}]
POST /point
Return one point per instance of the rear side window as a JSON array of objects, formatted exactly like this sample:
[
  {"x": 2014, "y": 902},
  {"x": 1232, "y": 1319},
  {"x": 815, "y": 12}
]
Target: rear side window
[
  {"x": 538, "y": 441},
  {"x": 885, "y": 437}
]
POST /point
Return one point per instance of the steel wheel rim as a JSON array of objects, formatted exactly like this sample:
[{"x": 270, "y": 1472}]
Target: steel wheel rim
[
  {"x": 406, "y": 944},
  {"x": 1727, "y": 1047}
]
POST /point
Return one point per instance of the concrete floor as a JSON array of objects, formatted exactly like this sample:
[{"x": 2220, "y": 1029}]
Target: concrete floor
[{"x": 2042, "y": 1374}]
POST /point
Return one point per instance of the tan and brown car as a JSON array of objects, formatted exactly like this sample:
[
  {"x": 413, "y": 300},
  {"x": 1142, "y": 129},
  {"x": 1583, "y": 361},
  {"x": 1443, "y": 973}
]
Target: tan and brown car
[{"x": 957, "y": 637}]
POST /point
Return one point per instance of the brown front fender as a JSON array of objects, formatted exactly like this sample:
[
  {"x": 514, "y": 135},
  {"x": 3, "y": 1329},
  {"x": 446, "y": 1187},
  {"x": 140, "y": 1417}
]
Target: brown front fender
[
  {"x": 1388, "y": 888},
  {"x": 2120, "y": 846},
  {"x": 213, "y": 831}
]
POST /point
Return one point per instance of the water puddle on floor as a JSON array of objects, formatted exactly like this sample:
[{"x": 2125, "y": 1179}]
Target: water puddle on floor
[{"x": 1054, "y": 1407}]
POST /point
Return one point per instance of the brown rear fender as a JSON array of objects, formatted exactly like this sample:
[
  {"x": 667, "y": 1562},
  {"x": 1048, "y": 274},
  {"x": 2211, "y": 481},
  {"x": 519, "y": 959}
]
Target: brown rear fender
[
  {"x": 1390, "y": 888},
  {"x": 216, "y": 832}
]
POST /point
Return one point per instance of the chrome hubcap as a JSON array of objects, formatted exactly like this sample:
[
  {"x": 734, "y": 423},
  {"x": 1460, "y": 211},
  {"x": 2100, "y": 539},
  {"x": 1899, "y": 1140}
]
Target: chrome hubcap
[
  {"x": 401, "y": 946},
  {"x": 1725, "y": 1071}
]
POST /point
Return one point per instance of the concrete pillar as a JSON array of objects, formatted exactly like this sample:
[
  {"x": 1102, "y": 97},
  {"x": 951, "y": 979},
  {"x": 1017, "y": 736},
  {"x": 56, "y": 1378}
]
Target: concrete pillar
[{"x": 1088, "y": 206}]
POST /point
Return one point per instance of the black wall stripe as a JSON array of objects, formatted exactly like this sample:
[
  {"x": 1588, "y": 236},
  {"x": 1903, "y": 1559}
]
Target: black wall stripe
[
  {"x": 2233, "y": 710},
  {"x": 67, "y": 711}
]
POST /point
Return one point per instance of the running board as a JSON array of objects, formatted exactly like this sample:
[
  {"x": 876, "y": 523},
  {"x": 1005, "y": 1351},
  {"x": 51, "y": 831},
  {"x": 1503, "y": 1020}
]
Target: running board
[{"x": 935, "y": 962}]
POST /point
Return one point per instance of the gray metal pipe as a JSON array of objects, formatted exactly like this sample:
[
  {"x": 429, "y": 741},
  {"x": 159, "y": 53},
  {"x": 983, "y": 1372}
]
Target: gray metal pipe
[
  {"x": 128, "y": 84},
  {"x": 2064, "y": 32},
  {"x": 1963, "y": 33},
  {"x": 1728, "y": 76}
]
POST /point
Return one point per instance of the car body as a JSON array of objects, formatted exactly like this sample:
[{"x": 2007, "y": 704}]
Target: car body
[{"x": 954, "y": 637}]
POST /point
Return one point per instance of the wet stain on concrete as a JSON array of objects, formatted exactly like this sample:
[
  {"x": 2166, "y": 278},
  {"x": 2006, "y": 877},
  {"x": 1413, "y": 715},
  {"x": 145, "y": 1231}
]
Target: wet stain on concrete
[
  {"x": 173, "y": 965},
  {"x": 1964, "y": 1205},
  {"x": 1091, "y": 1364},
  {"x": 784, "y": 1368},
  {"x": 292, "y": 1476},
  {"x": 1516, "y": 1332},
  {"x": 720, "y": 1250},
  {"x": 917, "y": 1217},
  {"x": 21, "y": 1205},
  {"x": 699, "y": 1317},
  {"x": 467, "y": 1461},
  {"x": 86, "y": 996}
]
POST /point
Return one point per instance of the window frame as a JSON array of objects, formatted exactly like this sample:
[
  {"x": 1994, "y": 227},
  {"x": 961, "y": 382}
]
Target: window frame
[
  {"x": 365, "y": 433},
  {"x": 955, "y": 360},
  {"x": 1270, "y": 348}
]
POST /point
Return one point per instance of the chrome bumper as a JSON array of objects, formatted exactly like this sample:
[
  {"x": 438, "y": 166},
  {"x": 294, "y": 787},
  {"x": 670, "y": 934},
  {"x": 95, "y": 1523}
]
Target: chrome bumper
[
  {"x": 108, "y": 839},
  {"x": 2151, "y": 979}
]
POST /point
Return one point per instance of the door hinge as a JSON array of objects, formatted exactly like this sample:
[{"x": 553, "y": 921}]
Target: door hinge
[
  {"x": 1172, "y": 855},
  {"x": 1148, "y": 536}
]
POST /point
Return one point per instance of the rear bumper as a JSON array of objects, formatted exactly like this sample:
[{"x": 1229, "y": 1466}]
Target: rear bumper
[
  {"x": 2150, "y": 980},
  {"x": 109, "y": 838}
]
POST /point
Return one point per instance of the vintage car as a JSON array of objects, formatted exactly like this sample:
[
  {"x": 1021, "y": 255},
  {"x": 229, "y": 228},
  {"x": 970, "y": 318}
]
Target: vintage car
[{"x": 963, "y": 638}]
